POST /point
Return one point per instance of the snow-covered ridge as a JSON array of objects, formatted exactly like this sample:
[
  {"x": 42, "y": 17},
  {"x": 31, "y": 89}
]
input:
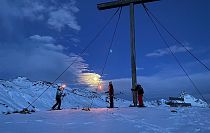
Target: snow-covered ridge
[
  {"x": 187, "y": 99},
  {"x": 194, "y": 102},
  {"x": 18, "y": 93}
]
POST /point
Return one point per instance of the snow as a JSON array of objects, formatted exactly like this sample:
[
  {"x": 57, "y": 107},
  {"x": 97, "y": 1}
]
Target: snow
[
  {"x": 194, "y": 102},
  {"x": 155, "y": 117},
  {"x": 103, "y": 120},
  {"x": 15, "y": 95},
  {"x": 18, "y": 93}
]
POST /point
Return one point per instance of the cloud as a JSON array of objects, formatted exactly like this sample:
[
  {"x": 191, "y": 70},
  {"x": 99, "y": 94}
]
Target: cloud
[
  {"x": 75, "y": 40},
  {"x": 54, "y": 47},
  {"x": 56, "y": 14},
  {"x": 166, "y": 51},
  {"x": 23, "y": 9},
  {"x": 33, "y": 10},
  {"x": 39, "y": 57},
  {"x": 156, "y": 86},
  {"x": 45, "y": 39},
  {"x": 39, "y": 60},
  {"x": 61, "y": 18},
  {"x": 47, "y": 42}
]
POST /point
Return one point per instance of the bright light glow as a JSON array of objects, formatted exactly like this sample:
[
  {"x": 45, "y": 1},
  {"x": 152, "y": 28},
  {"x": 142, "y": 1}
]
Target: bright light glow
[
  {"x": 63, "y": 86},
  {"x": 91, "y": 79},
  {"x": 100, "y": 87},
  {"x": 95, "y": 78}
]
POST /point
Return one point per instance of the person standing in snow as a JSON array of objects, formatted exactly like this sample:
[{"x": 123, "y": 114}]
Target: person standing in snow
[
  {"x": 59, "y": 95},
  {"x": 111, "y": 95},
  {"x": 140, "y": 95}
]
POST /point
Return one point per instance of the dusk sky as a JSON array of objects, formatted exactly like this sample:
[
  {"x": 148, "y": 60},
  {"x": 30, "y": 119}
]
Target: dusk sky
[{"x": 39, "y": 39}]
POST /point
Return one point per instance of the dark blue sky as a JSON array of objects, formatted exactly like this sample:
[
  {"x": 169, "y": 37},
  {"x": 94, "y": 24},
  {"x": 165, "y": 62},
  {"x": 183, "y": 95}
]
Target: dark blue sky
[
  {"x": 39, "y": 40},
  {"x": 188, "y": 21}
]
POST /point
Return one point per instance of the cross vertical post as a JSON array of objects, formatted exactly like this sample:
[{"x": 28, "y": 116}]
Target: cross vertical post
[
  {"x": 131, "y": 3},
  {"x": 133, "y": 54}
]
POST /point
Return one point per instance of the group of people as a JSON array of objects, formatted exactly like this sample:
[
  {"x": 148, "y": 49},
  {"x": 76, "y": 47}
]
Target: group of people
[
  {"x": 139, "y": 89},
  {"x": 60, "y": 95}
]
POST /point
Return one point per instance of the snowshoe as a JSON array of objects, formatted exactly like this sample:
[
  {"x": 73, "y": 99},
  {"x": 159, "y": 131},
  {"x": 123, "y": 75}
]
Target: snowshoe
[
  {"x": 141, "y": 106},
  {"x": 112, "y": 107},
  {"x": 131, "y": 105},
  {"x": 86, "y": 109},
  {"x": 54, "y": 109},
  {"x": 174, "y": 111},
  {"x": 25, "y": 111}
]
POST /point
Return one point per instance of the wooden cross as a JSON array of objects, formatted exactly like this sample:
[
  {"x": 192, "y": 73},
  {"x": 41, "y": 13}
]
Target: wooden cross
[{"x": 131, "y": 3}]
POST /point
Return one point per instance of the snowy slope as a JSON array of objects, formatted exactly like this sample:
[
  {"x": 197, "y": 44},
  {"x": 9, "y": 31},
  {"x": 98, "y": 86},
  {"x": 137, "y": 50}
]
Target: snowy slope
[
  {"x": 103, "y": 120},
  {"x": 18, "y": 93},
  {"x": 15, "y": 95},
  {"x": 156, "y": 117}
]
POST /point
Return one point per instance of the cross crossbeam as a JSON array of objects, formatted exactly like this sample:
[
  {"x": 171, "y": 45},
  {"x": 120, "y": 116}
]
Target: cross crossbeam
[{"x": 120, "y": 3}]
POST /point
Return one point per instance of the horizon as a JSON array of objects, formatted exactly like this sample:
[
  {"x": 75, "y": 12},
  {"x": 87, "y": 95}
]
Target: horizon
[{"x": 119, "y": 94}]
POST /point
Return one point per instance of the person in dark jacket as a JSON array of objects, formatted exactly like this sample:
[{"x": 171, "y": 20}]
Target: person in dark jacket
[
  {"x": 59, "y": 95},
  {"x": 111, "y": 95},
  {"x": 140, "y": 91}
]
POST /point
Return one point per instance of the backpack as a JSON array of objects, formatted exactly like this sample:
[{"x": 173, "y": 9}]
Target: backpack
[{"x": 59, "y": 93}]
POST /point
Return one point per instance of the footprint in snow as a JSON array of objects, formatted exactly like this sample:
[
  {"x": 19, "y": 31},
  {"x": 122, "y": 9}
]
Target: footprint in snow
[
  {"x": 138, "y": 126},
  {"x": 197, "y": 130},
  {"x": 86, "y": 123},
  {"x": 8, "y": 122},
  {"x": 50, "y": 123},
  {"x": 22, "y": 122},
  {"x": 39, "y": 120},
  {"x": 69, "y": 123}
]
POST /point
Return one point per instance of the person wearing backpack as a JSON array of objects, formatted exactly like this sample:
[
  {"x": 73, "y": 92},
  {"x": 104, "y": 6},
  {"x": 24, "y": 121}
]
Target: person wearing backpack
[
  {"x": 111, "y": 95},
  {"x": 140, "y": 91},
  {"x": 59, "y": 95}
]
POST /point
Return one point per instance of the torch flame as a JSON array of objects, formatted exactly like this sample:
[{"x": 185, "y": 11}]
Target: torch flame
[
  {"x": 63, "y": 86},
  {"x": 100, "y": 87}
]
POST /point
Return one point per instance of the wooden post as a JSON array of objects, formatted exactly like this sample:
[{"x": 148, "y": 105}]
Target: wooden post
[{"x": 133, "y": 54}]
